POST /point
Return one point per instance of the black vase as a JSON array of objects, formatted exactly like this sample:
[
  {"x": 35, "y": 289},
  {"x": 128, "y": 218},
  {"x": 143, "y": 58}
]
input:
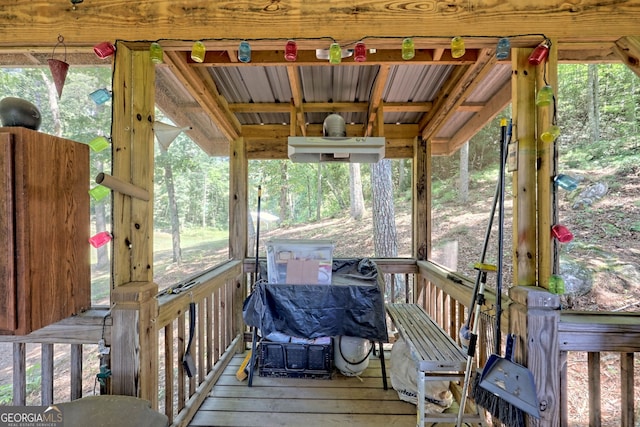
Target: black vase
[{"x": 19, "y": 112}]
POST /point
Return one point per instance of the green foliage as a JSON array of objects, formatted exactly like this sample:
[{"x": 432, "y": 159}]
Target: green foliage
[{"x": 34, "y": 381}]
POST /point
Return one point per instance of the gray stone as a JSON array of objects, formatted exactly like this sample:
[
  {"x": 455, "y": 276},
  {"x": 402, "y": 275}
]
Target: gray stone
[
  {"x": 578, "y": 280},
  {"x": 590, "y": 194}
]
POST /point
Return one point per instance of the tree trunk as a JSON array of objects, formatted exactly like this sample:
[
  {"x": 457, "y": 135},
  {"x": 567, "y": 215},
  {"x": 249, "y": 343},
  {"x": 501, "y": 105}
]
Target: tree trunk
[
  {"x": 355, "y": 191},
  {"x": 284, "y": 192},
  {"x": 594, "y": 115},
  {"x": 342, "y": 204},
  {"x": 402, "y": 174},
  {"x": 385, "y": 236},
  {"x": 53, "y": 104},
  {"x": 204, "y": 200},
  {"x": 319, "y": 193},
  {"x": 173, "y": 214},
  {"x": 464, "y": 173}
]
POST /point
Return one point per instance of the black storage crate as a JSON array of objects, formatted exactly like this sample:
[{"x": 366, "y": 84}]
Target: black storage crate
[{"x": 290, "y": 360}]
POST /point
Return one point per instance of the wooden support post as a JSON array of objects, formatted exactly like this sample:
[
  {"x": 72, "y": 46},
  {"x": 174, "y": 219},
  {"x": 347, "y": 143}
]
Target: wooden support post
[
  {"x": 421, "y": 208},
  {"x": 533, "y": 316},
  {"x": 238, "y": 217},
  {"x": 524, "y": 182},
  {"x": 134, "y": 353},
  {"x": 135, "y": 341},
  {"x": 422, "y": 199},
  {"x": 546, "y": 74}
]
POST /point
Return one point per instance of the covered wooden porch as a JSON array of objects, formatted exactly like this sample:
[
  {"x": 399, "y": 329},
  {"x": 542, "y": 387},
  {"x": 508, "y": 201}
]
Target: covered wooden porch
[{"x": 147, "y": 332}]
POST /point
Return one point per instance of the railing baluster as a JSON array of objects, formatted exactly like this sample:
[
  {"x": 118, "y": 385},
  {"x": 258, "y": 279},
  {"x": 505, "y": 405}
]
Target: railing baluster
[
  {"x": 627, "y": 389},
  {"x": 168, "y": 371},
  {"x": 19, "y": 374},
  {"x": 76, "y": 371},
  {"x": 46, "y": 369},
  {"x": 201, "y": 313},
  {"x": 181, "y": 375},
  {"x": 209, "y": 331},
  {"x": 595, "y": 389},
  {"x": 216, "y": 324}
]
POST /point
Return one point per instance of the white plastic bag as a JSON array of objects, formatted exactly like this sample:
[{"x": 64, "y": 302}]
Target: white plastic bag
[{"x": 404, "y": 379}]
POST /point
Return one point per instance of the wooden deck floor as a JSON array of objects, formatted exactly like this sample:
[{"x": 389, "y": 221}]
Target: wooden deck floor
[{"x": 344, "y": 401}]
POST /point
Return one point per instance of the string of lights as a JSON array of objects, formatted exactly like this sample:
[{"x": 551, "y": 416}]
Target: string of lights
[{"x": 336, "y": 51}]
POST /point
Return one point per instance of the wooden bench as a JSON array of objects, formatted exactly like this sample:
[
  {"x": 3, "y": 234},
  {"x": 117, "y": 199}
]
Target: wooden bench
[{"x": 437, "y": 356}]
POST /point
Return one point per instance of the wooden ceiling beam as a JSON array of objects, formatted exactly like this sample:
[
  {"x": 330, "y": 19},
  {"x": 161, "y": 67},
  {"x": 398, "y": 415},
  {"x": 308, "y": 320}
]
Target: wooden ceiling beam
[
  {"x": 308, "y": 58},
  {"x": 628, "y": 49},
  {"x": 204, "y": 91},
  {"x": 375, "y": 101},
  {"x": 461, "y": 82},
  {"x": 296, "y": 98},
  {"x": 94, "y": 21}
]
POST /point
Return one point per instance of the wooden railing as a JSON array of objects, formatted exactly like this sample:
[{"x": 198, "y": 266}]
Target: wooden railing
[
  {"x": 214, "y": 296},
  {"x": 34, "y": 362},
  {"x": 446, "y": 297},
  {"x": 594, "y": 335}
]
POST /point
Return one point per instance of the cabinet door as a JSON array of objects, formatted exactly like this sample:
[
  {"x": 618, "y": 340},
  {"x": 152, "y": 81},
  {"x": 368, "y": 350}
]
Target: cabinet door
[
  {"x": 8, "y": 311},
  {"x": 52, "y": 228}
]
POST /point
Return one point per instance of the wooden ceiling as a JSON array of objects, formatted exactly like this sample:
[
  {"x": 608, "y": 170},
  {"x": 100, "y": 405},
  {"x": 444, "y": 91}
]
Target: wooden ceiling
[{"x": 442, "y": 99}]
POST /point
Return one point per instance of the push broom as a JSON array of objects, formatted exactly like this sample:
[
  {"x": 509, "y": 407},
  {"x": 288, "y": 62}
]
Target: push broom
[
  {"x": 469, "y": 333},
  {"x": 504, "y": 388}
]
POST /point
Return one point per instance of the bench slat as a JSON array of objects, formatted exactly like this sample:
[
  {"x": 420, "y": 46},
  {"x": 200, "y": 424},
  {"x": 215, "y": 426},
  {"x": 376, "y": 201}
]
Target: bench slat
[{"x": 433, "y": 349}]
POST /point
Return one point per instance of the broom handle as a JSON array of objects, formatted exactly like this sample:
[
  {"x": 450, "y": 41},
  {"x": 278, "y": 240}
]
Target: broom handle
[
  {"x": 503, "y": 141},
  {"x": 487, "y": 233},
  {"x": 254, "y": 330}
]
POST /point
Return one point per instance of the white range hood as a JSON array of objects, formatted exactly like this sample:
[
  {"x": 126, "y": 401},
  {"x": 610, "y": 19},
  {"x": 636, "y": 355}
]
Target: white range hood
[
  {"x": 336, "y": 149},
  {"x": 335, "y": 146}
]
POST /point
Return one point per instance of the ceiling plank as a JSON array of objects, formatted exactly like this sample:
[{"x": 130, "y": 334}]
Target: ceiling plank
[
  {"x": 181, "y": 119},
  {"x": 493, "y": 107},
  {"x": 461, "y": 82},
  {"x": 205, "y": 93},
  {"x": 336, "y": 107},
  {"x": 628, "y": 49}
]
